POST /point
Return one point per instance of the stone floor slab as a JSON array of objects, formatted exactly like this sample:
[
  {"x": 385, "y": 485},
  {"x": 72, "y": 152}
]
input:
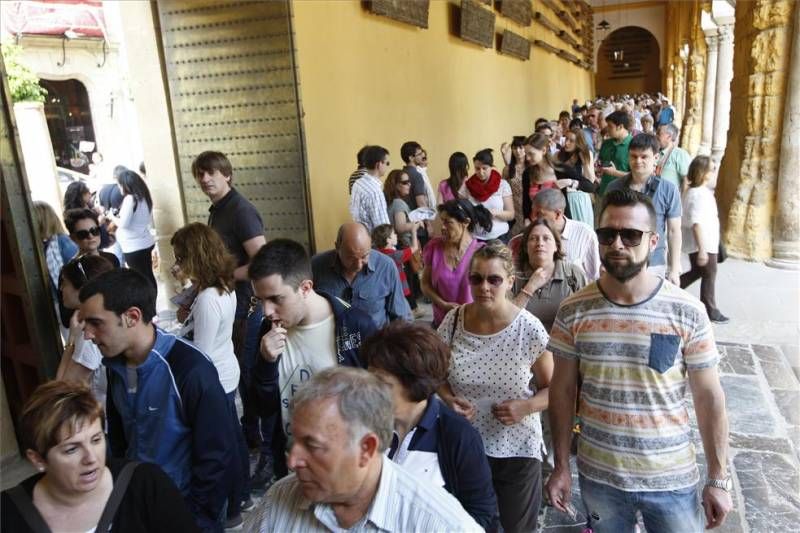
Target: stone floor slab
[
  {"x": 769, "y": 484},
  {"x": 737, "y": 360},
  {"x": 763, "y": 444},
  {"x": 789, "y": 405},
  {"x": 776, "y": 368},
  {"x": 749, "y": 413}
]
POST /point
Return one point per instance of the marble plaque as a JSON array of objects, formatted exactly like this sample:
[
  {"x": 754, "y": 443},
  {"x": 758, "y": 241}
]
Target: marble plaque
[
  {"x": 519, "y": 11},
  {"x": 414, "y": 12},
  {"x": 515, "y": 45},
  {"x": 477, "y": 24}
]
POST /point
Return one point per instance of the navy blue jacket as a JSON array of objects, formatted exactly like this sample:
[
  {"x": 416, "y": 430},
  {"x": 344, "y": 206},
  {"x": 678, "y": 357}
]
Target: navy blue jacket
[
  {"x": 462, "y": 459},
  {"x": 179, "y": 419},
  {"x": 352, "y": 327}
]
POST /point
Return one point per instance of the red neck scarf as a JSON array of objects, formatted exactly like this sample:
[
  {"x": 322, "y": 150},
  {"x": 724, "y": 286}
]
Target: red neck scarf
[{"x": 482, "y": 190}]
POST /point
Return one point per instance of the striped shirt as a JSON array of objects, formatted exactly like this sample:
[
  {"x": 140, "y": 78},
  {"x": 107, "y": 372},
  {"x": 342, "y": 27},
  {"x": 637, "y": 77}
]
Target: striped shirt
[
  {"x": 401, "y": 503},
  {"x": 633, "y": 360},
  {"x": 580, "y": 247},
  {"x": 367, "y": 203}
]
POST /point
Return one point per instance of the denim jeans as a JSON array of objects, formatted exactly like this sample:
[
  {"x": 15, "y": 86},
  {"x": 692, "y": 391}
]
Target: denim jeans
[{"x": 612, "y": 510}]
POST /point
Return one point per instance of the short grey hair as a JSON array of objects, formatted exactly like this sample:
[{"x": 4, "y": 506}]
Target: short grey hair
[
  {"x": 552, "y": 199},
  {"x": 672, "y": 129},
  {"x": 364, "y": 401},
  {"x": 647, "y": 118}
]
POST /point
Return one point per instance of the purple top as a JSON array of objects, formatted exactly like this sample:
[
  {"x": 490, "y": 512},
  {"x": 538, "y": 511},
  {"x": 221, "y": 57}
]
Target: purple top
[
  {"x": 451, "y": 285},
  {"x": 445, "y": 193}
]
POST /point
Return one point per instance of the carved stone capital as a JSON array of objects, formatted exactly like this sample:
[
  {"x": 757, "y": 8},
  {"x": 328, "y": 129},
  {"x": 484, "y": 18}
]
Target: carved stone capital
[
  {"x": 712, "y": 41},
  {"x": 725, "y": 34}
]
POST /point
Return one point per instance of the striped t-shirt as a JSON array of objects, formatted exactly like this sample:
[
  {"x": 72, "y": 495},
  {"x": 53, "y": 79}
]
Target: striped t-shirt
[{"x": 633, "y": 360}]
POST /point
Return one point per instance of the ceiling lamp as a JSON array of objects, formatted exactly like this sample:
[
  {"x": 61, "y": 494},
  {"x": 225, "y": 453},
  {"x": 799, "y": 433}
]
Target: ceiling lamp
[{"x": 603, "y": 25}]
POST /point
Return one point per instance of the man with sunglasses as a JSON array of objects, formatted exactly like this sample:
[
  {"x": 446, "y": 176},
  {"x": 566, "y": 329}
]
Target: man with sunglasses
[
  {"x": 83, "y": 226},
  {"x": 367, "y": 201},
  {"x": 634, "y": 341},
  {"x": 642, "y": 153}
]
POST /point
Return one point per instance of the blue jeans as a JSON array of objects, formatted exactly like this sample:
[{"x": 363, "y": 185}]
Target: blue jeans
[{"x": 612, "y": 510}]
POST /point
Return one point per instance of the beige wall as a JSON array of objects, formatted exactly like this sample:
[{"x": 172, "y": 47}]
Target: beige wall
[{"x": 368, "y": 79}]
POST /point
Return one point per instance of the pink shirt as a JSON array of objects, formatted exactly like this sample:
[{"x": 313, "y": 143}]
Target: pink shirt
[
  {"x": 451, "y": 285},
  {"x": 444, "y": 192}
]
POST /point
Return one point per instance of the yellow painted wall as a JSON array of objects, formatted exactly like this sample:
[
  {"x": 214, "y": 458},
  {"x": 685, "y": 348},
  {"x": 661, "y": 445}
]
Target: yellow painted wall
[{"x": 368, "y": 79}]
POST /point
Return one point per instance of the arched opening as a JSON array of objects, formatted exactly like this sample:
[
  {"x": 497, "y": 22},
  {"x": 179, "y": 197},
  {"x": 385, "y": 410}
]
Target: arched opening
[
  {"x": 69, "y": 120},
  {"x": 628, "y": 63}
]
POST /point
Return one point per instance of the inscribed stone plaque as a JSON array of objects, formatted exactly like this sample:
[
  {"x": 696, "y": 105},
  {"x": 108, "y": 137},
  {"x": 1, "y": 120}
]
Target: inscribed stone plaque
[
  {"x": 414, "y": 12},
  {"x": 519, "y": 11},
  {"x": 515, "y": 45},
  {"x": 477, "y": 24},
  {"x": 544, "y": 21}
]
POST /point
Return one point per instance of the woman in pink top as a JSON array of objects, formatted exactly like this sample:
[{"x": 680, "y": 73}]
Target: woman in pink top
[
  {"x": 446, "y": 258},
  {"x": 459, "y": 170}
]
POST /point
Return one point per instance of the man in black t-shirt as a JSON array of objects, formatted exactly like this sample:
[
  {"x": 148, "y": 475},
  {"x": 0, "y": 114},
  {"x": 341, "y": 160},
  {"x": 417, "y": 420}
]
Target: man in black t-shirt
[{"x": 239, "y": 224}]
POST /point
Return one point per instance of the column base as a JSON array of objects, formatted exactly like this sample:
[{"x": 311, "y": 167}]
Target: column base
[
  {"x": 716, "y": 154},
  {"x": 785, "y": 255},
  {"x": 703, "y": 149}
]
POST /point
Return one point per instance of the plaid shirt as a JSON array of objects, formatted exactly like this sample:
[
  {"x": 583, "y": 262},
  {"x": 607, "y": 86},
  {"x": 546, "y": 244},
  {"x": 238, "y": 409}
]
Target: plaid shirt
[{"x": 367, "y": 203}]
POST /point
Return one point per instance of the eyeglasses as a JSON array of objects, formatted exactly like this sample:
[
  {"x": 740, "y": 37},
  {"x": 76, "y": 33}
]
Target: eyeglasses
[
  {"x": 630, "y": 237},
  {"x": 404, "y": 182},
  {"x": 86, "y": 233},
  {"x": 493, "y": 279}
]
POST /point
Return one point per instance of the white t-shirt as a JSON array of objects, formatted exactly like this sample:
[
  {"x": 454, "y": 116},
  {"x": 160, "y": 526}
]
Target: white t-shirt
[
  {"x": 87, "y": 355},
  {"x": 493, "y": 203},
  {"x": 489, "y": 369},
  {"x": 309, "y": 349},
  {"x": 133, "y": 233},
  {"x": 700, "y": 207},
  {"x": 211, "y": 319}
]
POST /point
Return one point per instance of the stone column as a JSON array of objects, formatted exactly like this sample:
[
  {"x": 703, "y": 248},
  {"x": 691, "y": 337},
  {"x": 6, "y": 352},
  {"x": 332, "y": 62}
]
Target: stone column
[
  {"x": 722, "y": 102},
  {"x": 786, "y": 226},
  {"x": 712, "y": 43}
]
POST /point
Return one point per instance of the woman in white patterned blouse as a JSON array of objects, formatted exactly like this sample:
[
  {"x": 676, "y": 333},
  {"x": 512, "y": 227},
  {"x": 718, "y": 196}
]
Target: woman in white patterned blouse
[{"x": 499, "y": 377}]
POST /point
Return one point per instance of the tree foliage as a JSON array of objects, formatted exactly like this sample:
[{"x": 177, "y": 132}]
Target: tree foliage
[{"x": 22, "y": 82}]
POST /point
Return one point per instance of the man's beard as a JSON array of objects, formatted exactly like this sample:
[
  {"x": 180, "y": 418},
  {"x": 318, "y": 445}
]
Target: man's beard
[{"x": 625, "y": 271}]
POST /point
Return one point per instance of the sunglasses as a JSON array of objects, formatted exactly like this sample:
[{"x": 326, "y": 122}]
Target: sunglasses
[
  {"x": 404, "y": 182},
  {"x": 493, "y": 279},
  {"x": 630, "y": 237},
  {"x": 86, "y": 233}
]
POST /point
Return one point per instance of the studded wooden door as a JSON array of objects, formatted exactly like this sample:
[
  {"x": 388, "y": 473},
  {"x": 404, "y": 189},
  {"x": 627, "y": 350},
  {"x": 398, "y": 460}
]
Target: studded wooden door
[{"x": 233, "y": 88}]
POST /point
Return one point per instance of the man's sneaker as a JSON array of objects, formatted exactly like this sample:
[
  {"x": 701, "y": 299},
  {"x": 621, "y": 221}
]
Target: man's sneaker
[
  {"x": 719, "y": 318},
  {"x": 248, "y": 504},
  {"x": 234, "y": 523},
  {"x": 263, "y": 476}
]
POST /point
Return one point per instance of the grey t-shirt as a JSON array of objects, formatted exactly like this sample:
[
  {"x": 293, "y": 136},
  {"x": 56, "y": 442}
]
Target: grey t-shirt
[{"x": 399, "y": 206}]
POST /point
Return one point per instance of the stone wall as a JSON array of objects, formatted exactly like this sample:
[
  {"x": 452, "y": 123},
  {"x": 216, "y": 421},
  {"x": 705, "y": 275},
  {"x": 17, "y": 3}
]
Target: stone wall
[{"x": 747, "y": 184}]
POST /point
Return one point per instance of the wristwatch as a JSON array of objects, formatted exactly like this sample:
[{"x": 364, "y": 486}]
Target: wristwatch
[{"x": 724, "y": 484}]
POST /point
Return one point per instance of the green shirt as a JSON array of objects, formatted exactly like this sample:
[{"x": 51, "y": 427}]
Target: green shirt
[
  {"x": 616, "y": 152},
  {"x": 676, "y": 167}
]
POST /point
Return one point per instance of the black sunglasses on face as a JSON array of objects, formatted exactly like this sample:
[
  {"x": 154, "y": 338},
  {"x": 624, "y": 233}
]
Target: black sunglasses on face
[
  {"x": 86, "y": 233},
  {"x": 630, "y": 237},
  {"x": 404, "y": 182},
  {"x": 493, "y": 279}
]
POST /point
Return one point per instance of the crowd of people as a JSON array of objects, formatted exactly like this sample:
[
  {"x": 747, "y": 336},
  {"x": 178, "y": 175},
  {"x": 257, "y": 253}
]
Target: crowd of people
[{"x": 559, "y": 328}]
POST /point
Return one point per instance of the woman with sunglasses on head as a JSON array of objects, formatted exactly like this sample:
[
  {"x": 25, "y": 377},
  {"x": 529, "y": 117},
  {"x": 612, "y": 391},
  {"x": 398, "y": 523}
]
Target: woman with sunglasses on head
[
  {"x": 75, "y": 489},
  {"x": 577, "y": 165},
  {"x": 446, "y": 258},
  {"x": 81, "y": 361},
  {"x": 201, "y": 256},
  {"x": 78, "y": 196},
  {"x": 543, "y": 277},
  {"x": 498, "y": 379},
  {"x": 514, "y": 157},
  {"x": 134, "y": 222}
]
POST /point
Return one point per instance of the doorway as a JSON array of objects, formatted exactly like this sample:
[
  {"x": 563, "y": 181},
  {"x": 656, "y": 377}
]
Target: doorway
[
  {"x": 69, "y": 120},
  {"x": 628, "y": 62}
]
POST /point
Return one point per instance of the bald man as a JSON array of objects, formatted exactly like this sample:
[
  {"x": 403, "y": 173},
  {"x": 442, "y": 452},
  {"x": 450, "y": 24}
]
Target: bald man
[{"x": 368, "y": 281}]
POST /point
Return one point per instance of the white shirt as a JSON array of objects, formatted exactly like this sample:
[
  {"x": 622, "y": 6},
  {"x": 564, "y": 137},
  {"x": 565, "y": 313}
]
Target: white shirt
[
  {"x": 401, "y": 504},
  {"x": 87, "y": 355},
  {"x": 700, "y": 207},
  {"x": 308, "y": 350},
  {"x": 367, "y": 202},
  {"x": 581, "y": 248},
  {"x": 489, "y": 369},
  {"x": 133, "y": 233},
  {"x": 211, "y": 320},
  {"x": 493, "y": 203}
]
